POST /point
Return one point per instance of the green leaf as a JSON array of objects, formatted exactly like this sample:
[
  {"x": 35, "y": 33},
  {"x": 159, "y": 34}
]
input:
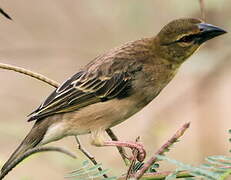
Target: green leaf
[
  {"x": 87, "y": 172},
  {"x": 85, "y": 164},
  {"x": 213, "y": 168},
  {"x": 95, "y": 167},
  {"x": 193, "y": 170},
  {"x": 81, "y": 173},
  {"x": 171, "y": 176},
  {"x": 153, "y": 168},
  {"x": 137, "y": 166},
  {"x": 99, "y": 174},
  {"x": 110, "y": 178},
  {"x": 219, "y": 160}
]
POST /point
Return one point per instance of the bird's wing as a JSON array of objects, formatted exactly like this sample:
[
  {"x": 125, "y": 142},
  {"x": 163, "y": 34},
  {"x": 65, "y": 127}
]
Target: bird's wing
[{"x": 82, "y": 89}]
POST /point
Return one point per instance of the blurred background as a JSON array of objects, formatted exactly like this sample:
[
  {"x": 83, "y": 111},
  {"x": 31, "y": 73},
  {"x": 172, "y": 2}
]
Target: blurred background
[{"x": 57, "y": 37}]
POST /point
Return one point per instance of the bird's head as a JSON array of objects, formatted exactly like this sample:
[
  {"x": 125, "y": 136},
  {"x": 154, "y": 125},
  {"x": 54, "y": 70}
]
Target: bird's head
[{"x": 182, "y": 37}]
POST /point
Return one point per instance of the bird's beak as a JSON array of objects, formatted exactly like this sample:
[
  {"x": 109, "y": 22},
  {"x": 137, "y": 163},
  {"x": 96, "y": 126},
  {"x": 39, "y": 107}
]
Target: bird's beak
[{"x": 208, "y": 31}]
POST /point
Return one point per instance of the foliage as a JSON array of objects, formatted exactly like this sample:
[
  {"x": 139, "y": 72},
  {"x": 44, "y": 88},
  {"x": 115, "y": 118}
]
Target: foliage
[
  {"x": 217, "y": 168},
  {"x": 87, "y": 172},
  {"x": 139, "y": 165}
]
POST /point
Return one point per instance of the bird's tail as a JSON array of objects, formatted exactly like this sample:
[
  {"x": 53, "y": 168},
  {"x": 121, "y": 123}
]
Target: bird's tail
[{"x": 31, "y": 140}]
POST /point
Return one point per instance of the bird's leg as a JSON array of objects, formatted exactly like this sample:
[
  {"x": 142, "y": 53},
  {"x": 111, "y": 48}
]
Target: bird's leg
[
  {"x": 120, "y": 149},
  {"x": 132, "y": 145},
  {"x": 98, "y": 140}
]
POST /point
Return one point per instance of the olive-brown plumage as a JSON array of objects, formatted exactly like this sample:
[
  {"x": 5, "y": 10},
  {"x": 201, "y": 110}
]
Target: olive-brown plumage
[{"x": 115, "y": 85}]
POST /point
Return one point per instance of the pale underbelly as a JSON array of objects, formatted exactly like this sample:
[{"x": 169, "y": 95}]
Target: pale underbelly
[
  {"x": 95, "y": 117},
  {"x": 100, "y": 116}
]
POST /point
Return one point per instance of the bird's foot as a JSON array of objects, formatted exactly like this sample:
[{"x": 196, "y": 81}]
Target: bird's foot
[{"x": 132, "y": 145}]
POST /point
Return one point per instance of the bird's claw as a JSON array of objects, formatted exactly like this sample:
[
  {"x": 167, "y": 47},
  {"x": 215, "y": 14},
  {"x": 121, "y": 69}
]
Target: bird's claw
[{"x": 139, "y": 153}]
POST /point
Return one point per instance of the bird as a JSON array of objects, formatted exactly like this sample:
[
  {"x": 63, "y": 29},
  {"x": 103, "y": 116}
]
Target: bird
[{"x": 114, "y": 86}]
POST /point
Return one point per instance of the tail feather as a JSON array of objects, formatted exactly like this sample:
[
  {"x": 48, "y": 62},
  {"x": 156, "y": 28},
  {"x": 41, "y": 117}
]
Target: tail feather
[{"x": 31, "y": 140}]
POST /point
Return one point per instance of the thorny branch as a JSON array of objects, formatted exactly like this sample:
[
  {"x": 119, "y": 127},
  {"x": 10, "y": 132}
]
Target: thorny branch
[{"x": 162, "y": 150}]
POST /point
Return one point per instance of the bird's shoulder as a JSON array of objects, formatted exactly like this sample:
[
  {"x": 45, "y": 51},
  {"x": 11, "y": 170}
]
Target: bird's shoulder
[{"x": 122, "y": 58}]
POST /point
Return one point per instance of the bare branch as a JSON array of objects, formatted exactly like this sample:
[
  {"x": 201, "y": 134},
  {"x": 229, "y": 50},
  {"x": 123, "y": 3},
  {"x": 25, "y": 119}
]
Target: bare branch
[
  {"x": 30, "y": 152},
  {"x": 162, "y": 150},
  {"x": 30, "y": 73},
  {"x": 5, "y": 14},
  {"x": 88, "y": 155}
]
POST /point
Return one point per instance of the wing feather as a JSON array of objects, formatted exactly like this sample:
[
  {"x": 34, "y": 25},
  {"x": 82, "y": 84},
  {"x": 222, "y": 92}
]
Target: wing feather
[{"x": 78, "y": 92}]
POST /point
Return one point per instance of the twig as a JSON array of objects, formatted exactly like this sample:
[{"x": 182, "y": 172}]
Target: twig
[
  {"x": 5, "y": 14},
  {"x": 202, "y": 7},
  {"x": 30, "y": 152},
  {"x": 30, "y": 73},
  {"x": 162, "y": 150},
  {"x": 88, "y": 155},
  {"x": 161, "y": 175}
]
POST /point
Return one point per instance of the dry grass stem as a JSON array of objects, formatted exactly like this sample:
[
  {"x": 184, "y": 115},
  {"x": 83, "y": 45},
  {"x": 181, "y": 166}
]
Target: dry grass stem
[{"x": 202, "y": 8}]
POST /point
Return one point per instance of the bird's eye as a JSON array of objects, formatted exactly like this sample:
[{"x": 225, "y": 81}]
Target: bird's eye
[
  {"x": 184, "y": 41},
  {"x": 187, "y": 39}
]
